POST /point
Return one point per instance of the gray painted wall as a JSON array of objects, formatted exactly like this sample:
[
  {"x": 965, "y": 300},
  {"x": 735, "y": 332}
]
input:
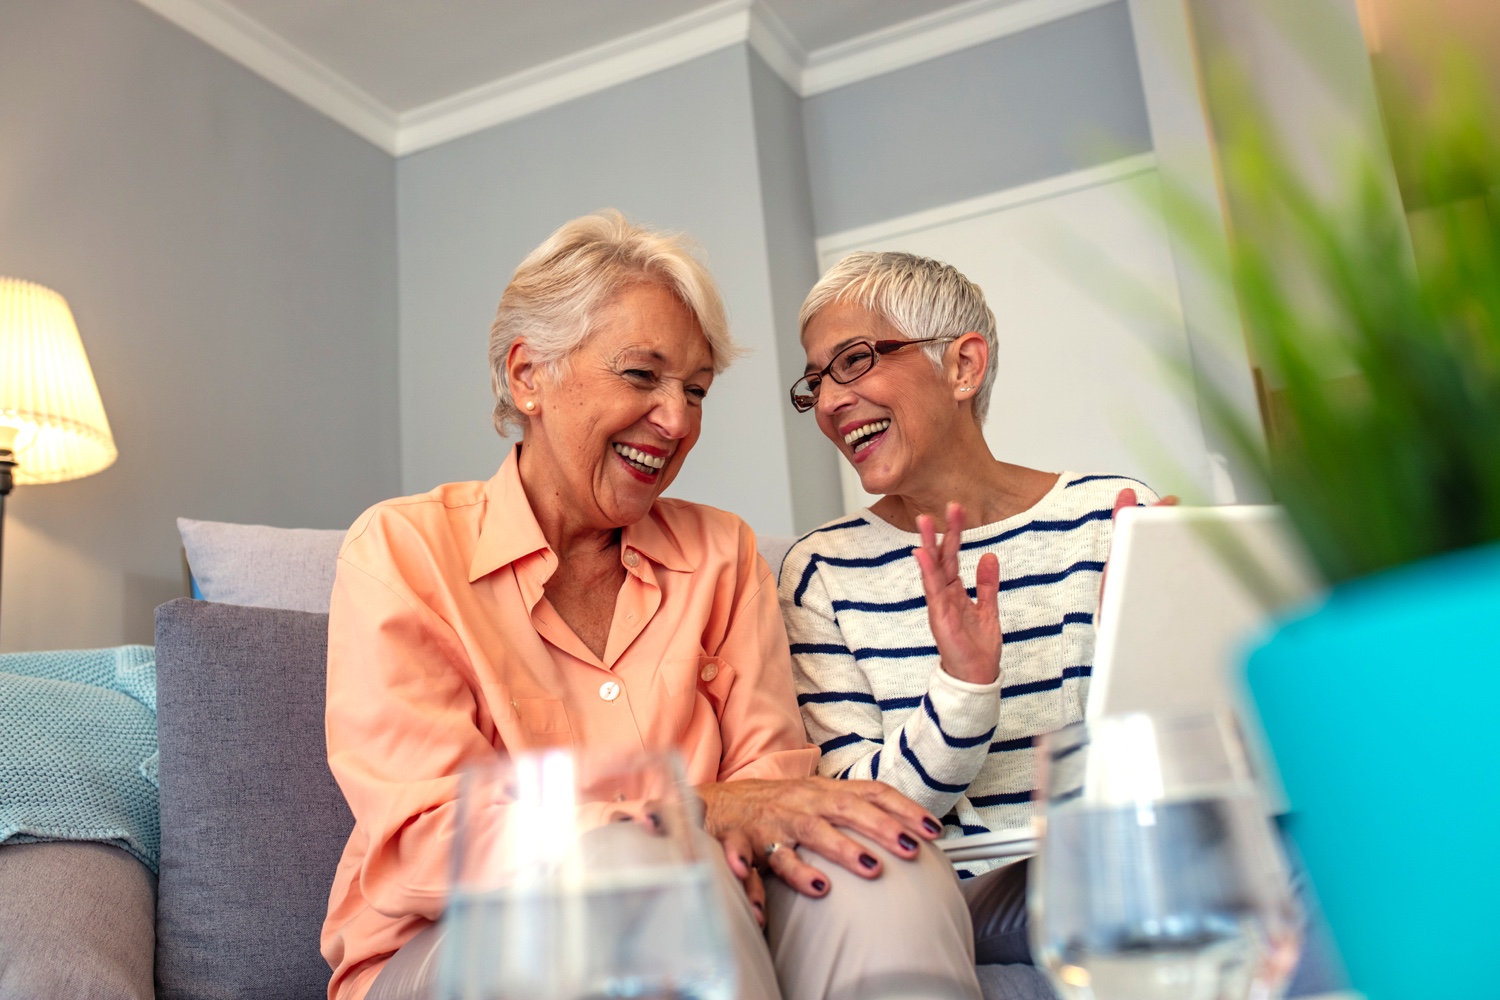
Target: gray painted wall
[
  {"x": 786, "y": 198},
  {"x": 230, "y": 256},
  {"x": 1059, "y": 97},
  {"x": 677, "y": 150},
  {"x": 721, "y": 148}
]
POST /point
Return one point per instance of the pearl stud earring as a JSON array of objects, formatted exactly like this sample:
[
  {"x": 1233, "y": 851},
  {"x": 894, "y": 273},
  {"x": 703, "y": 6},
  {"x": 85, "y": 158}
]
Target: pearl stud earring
[
  {"x": 967, "y": 388},
  {"x": 530, "y": 404}
]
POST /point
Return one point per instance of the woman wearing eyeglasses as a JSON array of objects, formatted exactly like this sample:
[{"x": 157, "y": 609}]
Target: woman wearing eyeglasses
[{"x": 896, "y": 635}]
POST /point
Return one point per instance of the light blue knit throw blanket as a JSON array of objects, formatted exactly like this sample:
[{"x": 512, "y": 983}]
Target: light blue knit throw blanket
[{"x": 78, "y": 754}]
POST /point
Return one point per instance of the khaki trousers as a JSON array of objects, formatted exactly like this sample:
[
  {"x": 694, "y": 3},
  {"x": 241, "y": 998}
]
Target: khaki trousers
[
  {"x": 903, "y": 936},
  {"x": 906, "y": 935}
]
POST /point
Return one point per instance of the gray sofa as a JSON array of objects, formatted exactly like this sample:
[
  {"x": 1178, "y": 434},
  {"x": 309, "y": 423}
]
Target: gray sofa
[
  {"x": 252, "y": 822},
  {"x": 252, "y": 829}
]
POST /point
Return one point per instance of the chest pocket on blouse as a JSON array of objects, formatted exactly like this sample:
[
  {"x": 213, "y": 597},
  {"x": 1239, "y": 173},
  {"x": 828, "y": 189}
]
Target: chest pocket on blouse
[
  {"x": 545, "y": 721},
  {"x": 715, "y": 678}
]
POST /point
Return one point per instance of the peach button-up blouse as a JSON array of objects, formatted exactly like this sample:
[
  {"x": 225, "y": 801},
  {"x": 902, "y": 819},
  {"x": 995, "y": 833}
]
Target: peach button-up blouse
[{"x": 442, "y": 649}]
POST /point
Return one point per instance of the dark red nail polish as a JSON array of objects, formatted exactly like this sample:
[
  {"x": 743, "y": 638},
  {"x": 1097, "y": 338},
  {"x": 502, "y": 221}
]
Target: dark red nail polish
[
  {"x": 931, "y": 825},
  {"x": 819, "y": 885},
  {"x": 905, "y": 841},
  {"x": 867, "y": 861}
]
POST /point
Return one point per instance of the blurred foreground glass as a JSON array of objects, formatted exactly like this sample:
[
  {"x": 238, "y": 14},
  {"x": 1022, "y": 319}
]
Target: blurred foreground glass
[
  {"x": 576, "y": 875},
  {"x": 1158, "y": 876}
]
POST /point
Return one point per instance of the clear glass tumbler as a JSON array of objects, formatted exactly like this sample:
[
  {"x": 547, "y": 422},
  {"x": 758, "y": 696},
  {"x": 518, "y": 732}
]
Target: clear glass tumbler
[
  {"x": 1158, "y": 875},
  {"x": 578, "y": 874}
]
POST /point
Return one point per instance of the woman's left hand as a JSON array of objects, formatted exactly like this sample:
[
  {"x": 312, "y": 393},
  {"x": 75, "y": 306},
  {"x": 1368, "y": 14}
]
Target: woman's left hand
[
  {"x": 763, "y": 821},
  {"x": 967, "y": 632}
]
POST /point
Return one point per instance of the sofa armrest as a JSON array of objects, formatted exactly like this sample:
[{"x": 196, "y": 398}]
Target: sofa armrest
[{"x": 75, "y": 921}]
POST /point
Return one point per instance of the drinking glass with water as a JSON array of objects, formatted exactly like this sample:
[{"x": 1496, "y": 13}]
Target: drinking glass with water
[
  {"x": 1158, "y": 876},
  {"x": 579, "y": 875}
]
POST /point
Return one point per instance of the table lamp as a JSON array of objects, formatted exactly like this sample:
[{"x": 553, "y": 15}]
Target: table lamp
[{"x": 52, "y": 423}]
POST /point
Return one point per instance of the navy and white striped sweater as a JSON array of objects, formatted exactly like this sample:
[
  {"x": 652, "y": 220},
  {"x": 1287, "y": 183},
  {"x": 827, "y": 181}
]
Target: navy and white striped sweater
[{"x": 872, "y": 694}]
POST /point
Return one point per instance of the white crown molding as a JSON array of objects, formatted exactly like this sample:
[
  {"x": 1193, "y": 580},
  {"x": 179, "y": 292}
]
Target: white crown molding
[
  {"x": 776, "y": 44},
  {"x": 598, "y": 68},
  {"x": 262, "y": 51},
  {"x": 929, "y": 37},
  {"x": 838, "y": 244},
  {"x": 717, "y": 26}
]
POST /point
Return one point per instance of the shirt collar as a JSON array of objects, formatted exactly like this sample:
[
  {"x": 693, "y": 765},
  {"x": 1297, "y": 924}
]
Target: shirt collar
[
  {"x": 653, "y": 538},
  {"x": 509, "y": 530}
]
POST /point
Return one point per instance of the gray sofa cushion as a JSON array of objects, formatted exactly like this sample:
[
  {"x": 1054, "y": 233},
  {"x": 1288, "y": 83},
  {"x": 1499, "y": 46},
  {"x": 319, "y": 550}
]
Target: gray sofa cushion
[
  {"x": 75, "y": 921},
  {"x": 252, "y": 822},
  {"x": 1013, "y": 982},
  {"x": 258, "y": 565},
  {"x": 773, "y": 549}
]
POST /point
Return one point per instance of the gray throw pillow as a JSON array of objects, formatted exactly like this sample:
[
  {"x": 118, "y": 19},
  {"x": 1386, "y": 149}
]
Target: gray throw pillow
[
  {"x": 75, "y": 921},
  {"x": 262, "y": 567},
  {"x": 252, "y": 822},
  {"x": 773, "y": 549}
]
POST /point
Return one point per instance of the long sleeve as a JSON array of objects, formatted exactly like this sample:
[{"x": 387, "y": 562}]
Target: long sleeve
[
  {"x": 932, "y": 757},
  {"x": 401, "y": 726},
  {"x": 759, "y": 724}
]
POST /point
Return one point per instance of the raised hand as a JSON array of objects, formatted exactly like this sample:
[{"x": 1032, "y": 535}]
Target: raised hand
[{"x": 967, "y": 632}]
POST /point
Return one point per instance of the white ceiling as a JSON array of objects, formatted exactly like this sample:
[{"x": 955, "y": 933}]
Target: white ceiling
[
  {"x": 410, "y": 74},
  {"x": 407, "y": 54}
]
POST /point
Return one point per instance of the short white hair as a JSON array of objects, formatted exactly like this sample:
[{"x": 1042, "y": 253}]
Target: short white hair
[
  {"x": 919, "y": 296},
  {"x": 554, "y": 295}
]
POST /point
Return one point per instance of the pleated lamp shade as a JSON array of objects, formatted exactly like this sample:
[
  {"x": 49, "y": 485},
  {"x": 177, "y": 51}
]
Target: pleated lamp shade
[{"x": 49, "y": 404}]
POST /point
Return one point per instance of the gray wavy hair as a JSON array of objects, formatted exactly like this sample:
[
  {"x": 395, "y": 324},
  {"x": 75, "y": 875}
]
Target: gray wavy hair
[
  {"x": 554, "y": 295},
  {"x": 919, "y": 296}
]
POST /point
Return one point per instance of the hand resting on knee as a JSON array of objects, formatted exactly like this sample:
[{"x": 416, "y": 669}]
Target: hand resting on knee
[{"x": 760, "y": 823}]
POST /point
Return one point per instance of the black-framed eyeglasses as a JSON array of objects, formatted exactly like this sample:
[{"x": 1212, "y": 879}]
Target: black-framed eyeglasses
[{"x": 848, "y": 365}]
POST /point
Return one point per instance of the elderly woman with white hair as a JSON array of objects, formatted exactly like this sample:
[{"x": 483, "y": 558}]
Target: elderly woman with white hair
[
  {"x": 555, "y": 604},
  {"x": 896, "y": 636}
]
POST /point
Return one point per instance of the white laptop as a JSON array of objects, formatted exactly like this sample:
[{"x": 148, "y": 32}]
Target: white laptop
[{"x": 1187, "y": 588}]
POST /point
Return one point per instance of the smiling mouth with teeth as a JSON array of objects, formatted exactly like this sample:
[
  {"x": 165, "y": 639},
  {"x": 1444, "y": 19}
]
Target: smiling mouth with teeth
[
  {"x": 648, "y": 464},
  {"x": 860, "y": 437}
]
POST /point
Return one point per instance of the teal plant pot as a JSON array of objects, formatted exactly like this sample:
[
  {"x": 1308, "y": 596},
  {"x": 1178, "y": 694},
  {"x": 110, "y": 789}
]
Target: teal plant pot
[{"x": 1382, "y": 708}]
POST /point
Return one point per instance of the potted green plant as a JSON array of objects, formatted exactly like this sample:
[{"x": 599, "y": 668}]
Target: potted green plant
[{"x": 1378, "y": 333}]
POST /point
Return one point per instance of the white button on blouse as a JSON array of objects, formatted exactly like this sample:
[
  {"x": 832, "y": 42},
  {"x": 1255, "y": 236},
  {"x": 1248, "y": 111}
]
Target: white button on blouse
[
  {"x": 609, "y": 690},
  {"x": 631, "y": 559},
  {"x": 709, "y": 672}
]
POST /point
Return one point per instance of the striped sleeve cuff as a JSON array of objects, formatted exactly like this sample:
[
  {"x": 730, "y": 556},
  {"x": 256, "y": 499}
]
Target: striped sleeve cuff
[
  {"x": 945, "y": 742},
  {"x": 967, "y": 710}
]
